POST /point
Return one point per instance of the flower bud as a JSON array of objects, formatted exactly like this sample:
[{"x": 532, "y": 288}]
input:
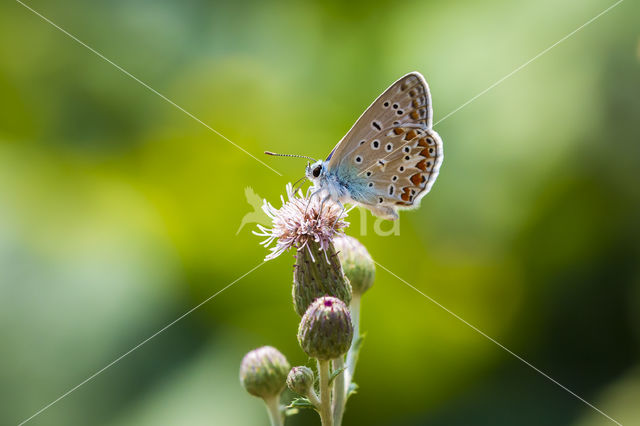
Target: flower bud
[
  {"x": 325, "y": 331},
  {"x": 318, "y": 273},
  {"x": 357, "y": 263},
  {"x": 300, "y": 380},
  {"x": 263, "y": 372}
]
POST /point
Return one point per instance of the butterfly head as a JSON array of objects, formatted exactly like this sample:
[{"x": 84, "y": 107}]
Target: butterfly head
[{"x": 315, "y": 171}]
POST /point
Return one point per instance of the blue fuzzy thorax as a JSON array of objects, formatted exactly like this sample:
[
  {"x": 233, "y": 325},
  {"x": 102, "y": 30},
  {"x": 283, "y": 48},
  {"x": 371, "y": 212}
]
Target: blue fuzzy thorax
[{"x": 345, "y": 182}]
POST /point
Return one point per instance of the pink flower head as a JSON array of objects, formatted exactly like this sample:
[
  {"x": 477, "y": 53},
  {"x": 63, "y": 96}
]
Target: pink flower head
[{"x": 302, "y": 218}]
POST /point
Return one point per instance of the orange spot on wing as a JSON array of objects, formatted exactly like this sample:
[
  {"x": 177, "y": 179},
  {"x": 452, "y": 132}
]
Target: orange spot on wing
[
  {"x": 405, "y": 194},
  {"x": 422, "y": 165},
  {"x": 417, "y": 103},
  {"x": 414, "y": 114},
  {"x": 416, "y": 179},
  {"x": 397, "y": 131}
]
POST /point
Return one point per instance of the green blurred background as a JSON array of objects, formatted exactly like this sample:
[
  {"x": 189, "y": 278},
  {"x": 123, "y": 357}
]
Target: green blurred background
[{"x": 118, "y": 212}]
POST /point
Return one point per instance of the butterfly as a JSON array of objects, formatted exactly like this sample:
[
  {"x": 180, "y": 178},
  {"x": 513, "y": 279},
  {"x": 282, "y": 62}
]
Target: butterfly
[{"x": 391, "y": 156}]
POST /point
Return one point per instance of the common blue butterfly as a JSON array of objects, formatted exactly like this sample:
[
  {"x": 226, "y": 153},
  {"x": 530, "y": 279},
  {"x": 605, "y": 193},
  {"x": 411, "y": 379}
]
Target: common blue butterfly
[{"x": 391, "y": 156}]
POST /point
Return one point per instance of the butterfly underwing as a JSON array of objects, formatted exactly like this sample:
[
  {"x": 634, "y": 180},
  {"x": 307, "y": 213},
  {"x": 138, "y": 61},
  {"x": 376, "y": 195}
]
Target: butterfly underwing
[{"x": 391, "y": 156}]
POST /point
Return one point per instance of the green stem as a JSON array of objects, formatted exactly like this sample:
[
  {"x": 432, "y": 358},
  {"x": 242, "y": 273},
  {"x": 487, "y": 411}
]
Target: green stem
[
  {"x": 325, "y": 393},
  {"x": 352, "y": 355},
  {"x": 339, "y": 392},
  {"x": 273, "y": 408},
  {"x": 313, "y": 398}
]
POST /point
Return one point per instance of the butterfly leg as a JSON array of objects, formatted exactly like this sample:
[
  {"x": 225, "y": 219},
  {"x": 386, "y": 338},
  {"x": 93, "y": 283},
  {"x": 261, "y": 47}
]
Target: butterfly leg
[
  {"x": 326, "y": 197},
  {"x": 339, "y": 216},
  {"x": 309, "y": 202}
]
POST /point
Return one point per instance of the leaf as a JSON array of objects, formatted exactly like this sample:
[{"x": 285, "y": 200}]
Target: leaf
[
  {"x": 300, "y": 403},
  {"x": 335, "y": 374},
  {"x": 353, "y": 389},
  {"x": 358, "y": 343},
  {"x": 354, "y": 351},
  {"x": 291, "y": 412}
]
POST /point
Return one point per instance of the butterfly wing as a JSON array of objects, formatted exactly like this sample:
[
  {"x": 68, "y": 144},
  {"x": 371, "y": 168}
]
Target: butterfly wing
[
  {"x": 405, "y": 102},
  {"x": 391, "y": 156}
]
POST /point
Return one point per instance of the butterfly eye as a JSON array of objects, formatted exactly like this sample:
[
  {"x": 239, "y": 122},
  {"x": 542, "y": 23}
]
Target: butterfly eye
[{"x": 316, "y": 171}]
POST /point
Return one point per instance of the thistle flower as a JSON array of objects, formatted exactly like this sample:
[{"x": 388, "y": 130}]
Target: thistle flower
[
  {"x": 356, "y": 262},
  {"x": 313, "y": 279},
  {"x": 263, "y": 372},
  {"x": 325, "y": 331},
  {"x": 300, "y": 380},
  {"x": 302, "y": 219}
]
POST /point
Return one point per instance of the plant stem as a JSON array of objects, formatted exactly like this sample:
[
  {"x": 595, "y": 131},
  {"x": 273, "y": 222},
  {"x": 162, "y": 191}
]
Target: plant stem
[
  {"x": 352, "y": 355},
  {"x": 273, "y": 408},
  {"x": 339, "y": 394},
  {"x": 313, "y": 398},
  {"x": 325, "y": 393}
]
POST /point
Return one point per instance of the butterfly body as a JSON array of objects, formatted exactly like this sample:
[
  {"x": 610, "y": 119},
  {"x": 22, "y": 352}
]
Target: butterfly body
[
  {"x": 342, "y": 185},
  {"x": 391, "y": 156}
]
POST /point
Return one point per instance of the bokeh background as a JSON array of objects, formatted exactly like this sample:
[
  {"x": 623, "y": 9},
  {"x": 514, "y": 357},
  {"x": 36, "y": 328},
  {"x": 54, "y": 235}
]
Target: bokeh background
[{"x": 118, "y": 212}]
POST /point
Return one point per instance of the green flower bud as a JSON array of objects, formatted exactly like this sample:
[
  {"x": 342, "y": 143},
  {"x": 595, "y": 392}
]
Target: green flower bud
[
  {"x": 356, "y": 262},
  {"x": 325, "y": 330},
  {"x": 300, "y": 380},
  {"x": 263, "y": 372},
  {"x": 318, "y": 273}
]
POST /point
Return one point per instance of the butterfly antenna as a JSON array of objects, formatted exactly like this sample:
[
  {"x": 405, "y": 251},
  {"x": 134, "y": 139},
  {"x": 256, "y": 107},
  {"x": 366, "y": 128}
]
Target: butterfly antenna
[{"x": 289, "y": 155}]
